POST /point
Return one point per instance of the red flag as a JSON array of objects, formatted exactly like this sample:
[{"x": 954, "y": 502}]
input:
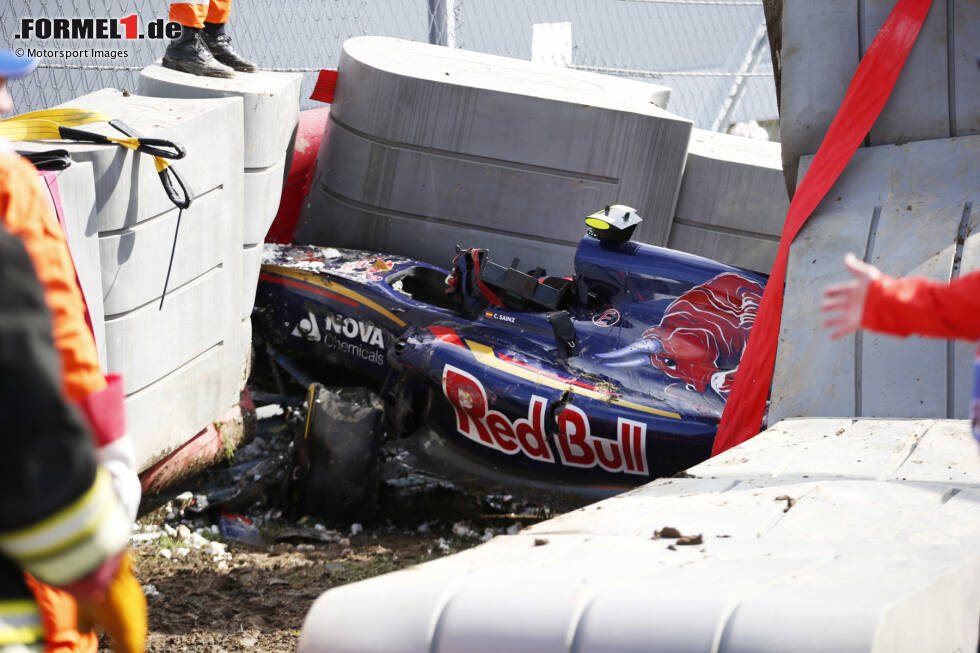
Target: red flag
[{"x": 866, "y": 96}]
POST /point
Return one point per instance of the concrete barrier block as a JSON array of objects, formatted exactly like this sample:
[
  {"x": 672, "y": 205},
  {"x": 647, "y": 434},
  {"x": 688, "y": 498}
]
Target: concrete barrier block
[
  {"x": 820, "y": 53},
  {"x": 165, "y": 414},
  {"x": 483, "y": 119},
  {"x": 965, "y": 117},
  {"x": 749, "y": 251},
  {"x": 251, "y": 261},
  {"x": 765, "y": 551},
  {"x": 435, "y": 242},
  {"x": 76, "y": 191},
  {"x": 937, "y": 94},
  {"x": 135, "y": 259},
  {"x": 815, "y": 375},
  {"x": 732, "y": 201},
  {"x": 263, "y": 190},
  {"x": 148, "y": 343},
  {"x": 135, "y": 222},
  {"x": 902, "y": 208},
  {"x": 271, "y": 105},
  {"x": 128, "y": 189},
  {"x": 918, "y": 108}
]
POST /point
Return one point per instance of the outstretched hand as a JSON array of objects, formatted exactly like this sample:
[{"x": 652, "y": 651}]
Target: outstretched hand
[{"x": 844, "y": 302}]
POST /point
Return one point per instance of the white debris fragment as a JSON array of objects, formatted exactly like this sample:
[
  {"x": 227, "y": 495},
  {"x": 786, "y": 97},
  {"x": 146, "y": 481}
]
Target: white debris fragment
[
  {"x": 217, "y": 548},
  {"x": 488, "y": 535},
  {"x": 171, "y": 531},
  {"x": 267, "y": 411},
  {"x": 424, "y": 527},
  {"x": 305, "y": 547},
  {"x": 222, "y": 565},
  {"x": 355, "y": 528},
  {"x": 183, "y": 533},
  {"x": 443, "y": 545},
  {"x": 182, "y": 552},
  {"x": 320, "y": 527},
  {"x": 197, "y": 540},
  {"x": 184, "y": 496},
  {"x": 463, "y": 529},
  {"x": 166, "y": 553},
  {"x": 515, "y": 528},
  {"x": 150, "y": 590}
]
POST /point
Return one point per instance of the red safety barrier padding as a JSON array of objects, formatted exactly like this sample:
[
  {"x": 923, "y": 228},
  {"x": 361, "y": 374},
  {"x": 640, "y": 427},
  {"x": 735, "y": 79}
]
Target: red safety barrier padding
[
  {"x": 866, "y": 96},
  {"x": 326, "y": 84},
  {"x": 309, "y": 135}
]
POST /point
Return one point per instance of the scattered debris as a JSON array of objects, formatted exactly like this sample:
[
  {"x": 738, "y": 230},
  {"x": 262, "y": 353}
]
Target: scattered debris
[
  {"x": 671, "y": 533},
  {"x": 238, "y": 528},
  {"x": 540, "y": 541},
  {"x": 314, "y": 534},
  {"x": 790, "y": 501},
  {"x": 668, "y": 532},
  {"x": 464, "y": 529}
]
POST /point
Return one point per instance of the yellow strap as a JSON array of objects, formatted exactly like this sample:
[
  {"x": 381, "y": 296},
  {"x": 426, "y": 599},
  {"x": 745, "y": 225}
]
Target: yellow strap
[
  {"x": 161, "y": 163},
  {"x": 130, "y": 143},
  {"x": 37, "y": 129},
  {"x": 67, "y": 117},
  {"x": 29, "y": 130}
]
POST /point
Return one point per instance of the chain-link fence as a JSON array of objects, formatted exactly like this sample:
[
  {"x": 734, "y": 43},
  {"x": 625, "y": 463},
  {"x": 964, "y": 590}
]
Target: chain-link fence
[{"x": 714, "y": 54}]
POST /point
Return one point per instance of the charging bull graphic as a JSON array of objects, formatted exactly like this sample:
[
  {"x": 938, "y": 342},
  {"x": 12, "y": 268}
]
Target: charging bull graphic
[{"x": 701, "y": 335}]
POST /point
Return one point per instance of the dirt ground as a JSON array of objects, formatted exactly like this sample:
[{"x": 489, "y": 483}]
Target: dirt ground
[{"x": 256, "y": 600}]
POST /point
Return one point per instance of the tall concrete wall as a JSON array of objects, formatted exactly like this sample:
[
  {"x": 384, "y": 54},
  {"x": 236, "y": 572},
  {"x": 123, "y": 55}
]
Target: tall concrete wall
[
  {"x": 905, "y": 209},
  {"x": 428, "y": 147},
  {"x": 937, "y": 95}
]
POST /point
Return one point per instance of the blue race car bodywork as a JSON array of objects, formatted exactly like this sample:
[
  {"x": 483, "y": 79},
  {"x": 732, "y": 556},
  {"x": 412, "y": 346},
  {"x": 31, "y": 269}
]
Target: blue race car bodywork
[{"x": 590, "y": 384}]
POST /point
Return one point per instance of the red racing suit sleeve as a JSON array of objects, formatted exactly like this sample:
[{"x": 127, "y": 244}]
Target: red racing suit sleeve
[{"x": 918, "y": 306}]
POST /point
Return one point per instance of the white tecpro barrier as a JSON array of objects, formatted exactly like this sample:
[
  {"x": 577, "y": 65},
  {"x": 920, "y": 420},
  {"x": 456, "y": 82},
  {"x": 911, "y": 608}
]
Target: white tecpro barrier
[
  {"x": 74, "y": 190},
  {"x": 910, "y": 210},
  {"x": 937, "y": 95},
  {"x": 732, "y": 201},
  {"x": 817, "y": 535},
  {"x": 182, "y": 362},
  {"x": 271, "y": 116},
  {"x": 428, "y": 147}
]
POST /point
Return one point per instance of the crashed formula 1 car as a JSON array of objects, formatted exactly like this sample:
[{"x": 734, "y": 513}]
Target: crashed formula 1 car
[{"x": 589, "y": 383}]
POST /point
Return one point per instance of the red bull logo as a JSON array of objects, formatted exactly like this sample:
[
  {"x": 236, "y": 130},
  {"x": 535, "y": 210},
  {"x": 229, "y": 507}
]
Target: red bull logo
[
  {"x": 572, "y": 438},
  {"x": 701, "y": 336}
]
